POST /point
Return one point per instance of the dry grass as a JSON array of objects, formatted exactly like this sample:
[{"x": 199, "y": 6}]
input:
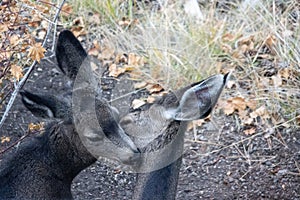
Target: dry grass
[{"x": 258, "y": 41}]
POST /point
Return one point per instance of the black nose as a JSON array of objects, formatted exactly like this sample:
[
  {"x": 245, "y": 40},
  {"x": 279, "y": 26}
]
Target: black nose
[{"x": 135, "y": 159}]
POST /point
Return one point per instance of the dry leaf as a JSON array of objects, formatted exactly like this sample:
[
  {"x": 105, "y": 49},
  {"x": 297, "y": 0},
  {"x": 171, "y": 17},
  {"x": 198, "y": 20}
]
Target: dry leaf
[
  {"x": 285, "y": 73},
  {"x": 41, "y": 34},
  {"x": 140, "y": 85},
  {"x": 3, "y": 28},
  {"x": 66, "y": 10},
  {"x": 251, "y": 104},
  {"x": 93, "y": 52},
  {"x": 195, "y": 123},
  {"x": 115, "y": 71},
  {"x": 16, "y": 71},
  {"x": 135, "y": 60},
  {"x": 14, "y": 40},
  {"x": 151, "y": 99},
  {"x": 230, "y": 84},
  {"x": 228, "y": 37},
  {"x": 226, "y": 48},
  {"x": 235, "y": 103},
  {"x": 5, "y": 139},
  {"x": 106, "y": 54},
  {"x": 244, "y": 116},
  {"x": 270, "y": 41},
  {"x": 121, "y": 58},
  {"x": 78, "y": 22},
  {"x": 36, "y": 52},
  {"x": 94, "y": 19},
  {"x": 277, "y": 80},
  {"x": 126, "y": 22},
  {"x": 154, "y": 88},
  {"x": 246, "y": 44},
  {"x": 129, "y": 68},
  {"x": 262, "y": 112},
  {"x": 136, "y": 103},
  {"x": 250, "y": 131},
  {"x": 96, "y": 44},
  {"x": 78, "y": 31},
  {"x": 36, "y": 127}
]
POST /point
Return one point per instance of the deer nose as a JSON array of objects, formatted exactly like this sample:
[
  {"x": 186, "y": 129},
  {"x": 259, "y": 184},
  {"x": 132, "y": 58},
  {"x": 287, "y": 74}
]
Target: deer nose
[
  {"x": 133, "y": 159},
  {"x": 127, "y": 141}
]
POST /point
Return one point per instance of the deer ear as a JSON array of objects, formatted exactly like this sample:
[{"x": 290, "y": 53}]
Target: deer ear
[
  {"x": 198, "y": 101},
  {"x": 69, "y": 54},
  {"x": 44, "y": 106}
]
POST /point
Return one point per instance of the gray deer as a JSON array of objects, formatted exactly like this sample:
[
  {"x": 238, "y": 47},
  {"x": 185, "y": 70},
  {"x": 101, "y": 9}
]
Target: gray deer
[
  {"x": 158, "y": 131},
  {"x": 43, "y": 166}
]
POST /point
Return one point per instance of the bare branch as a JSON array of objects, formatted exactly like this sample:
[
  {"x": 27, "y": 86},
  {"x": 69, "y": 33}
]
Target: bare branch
[{"x": 24, "y": 79}]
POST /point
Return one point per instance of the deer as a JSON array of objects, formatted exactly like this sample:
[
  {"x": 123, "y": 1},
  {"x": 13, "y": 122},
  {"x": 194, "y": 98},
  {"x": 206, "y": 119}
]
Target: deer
[
  {"x": 158, "y": 131},
  {"x": 43, "y": 166},
  {"x": 150, "y": 140}
]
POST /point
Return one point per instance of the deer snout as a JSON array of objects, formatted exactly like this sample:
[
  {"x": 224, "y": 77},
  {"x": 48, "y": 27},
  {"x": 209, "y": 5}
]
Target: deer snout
[{"x": 131, "y": 158}]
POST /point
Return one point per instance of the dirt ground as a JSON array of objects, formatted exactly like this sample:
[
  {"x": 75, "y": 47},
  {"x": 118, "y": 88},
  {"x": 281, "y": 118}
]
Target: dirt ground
[{"x": 222, "y": 164}]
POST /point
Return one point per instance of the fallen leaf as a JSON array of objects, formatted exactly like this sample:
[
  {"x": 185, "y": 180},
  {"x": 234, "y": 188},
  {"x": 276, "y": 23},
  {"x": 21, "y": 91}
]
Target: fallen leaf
[
  {"x": 262, "y": 112},
  {"x": 66, "y": 10},
  {"x": 107, "y": 53},
  {"x": 78, "y": 31},
  {"x": 245, "y": 118},
  {"x": 115, "y": 71},
  {"x": 228, "y": 37},
  {"x": 140, "y": 85},
  {"x": 16, "y": 71},
  {"x": 41, "y": 34},
  {"x": 14, "y": 40},
  {"x": 93, "y": 52},
  {"x": 36, "y": 52},
  {"x": 135, "y": 60},
  {"x": 78, "y": 22},
  {"x": 124, "y": 22},
  {"x": 121, "y": 58},
  {"x": 230, "y": 84},
  {"x": 136, "y": 103},
  {"x": 277, "y": 80},
  {"x": 270, "y": 41},
  {"x": 250, "y": 131},
  {"x": 154, "y": 88},
  {"x": 251, "y": 104},
  {"x": 36, "y": 127},
  {"x": 298, "y": 119},
  {"x": 235, "y": 103},
  {"x": 151, "y": 99},
  {"x": 246, "y": 43},
  {"x": 195, "y": 123},
  {"x": 3, "y": 28},
  {"x": 129, "y": 68},
  {"x": 285, "y": 73},
  {"x": 96, "y": 44},
  {"x": 94, "y": 19},
  {"x": 5, "y": 139}
]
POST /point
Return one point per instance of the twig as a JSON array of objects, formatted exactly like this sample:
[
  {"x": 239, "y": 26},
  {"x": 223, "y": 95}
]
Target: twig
[
  {"x": 17, "y": 141},
  {"x": 24, "y": 79}
]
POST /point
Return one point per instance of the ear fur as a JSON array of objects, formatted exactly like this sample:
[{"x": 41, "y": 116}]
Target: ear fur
[
  {"x": 45, "y": 106},
  {"x": 69, "y": 54},
  {"x": 198, "y": 101}
]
